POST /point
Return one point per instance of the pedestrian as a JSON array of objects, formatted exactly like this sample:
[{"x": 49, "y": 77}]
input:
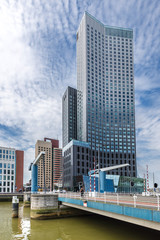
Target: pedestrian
[{"x": 82, "y": 191}]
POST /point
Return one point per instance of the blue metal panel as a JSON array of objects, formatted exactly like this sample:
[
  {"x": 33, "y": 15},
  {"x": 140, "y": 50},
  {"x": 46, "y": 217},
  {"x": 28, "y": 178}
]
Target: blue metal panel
[
  {"x": 105, "y": 184},
  {"x": 156, "y": 216},
  {"x": 113, "y": 208},
  {"x": 86, "y": 181},
  {"x": 106, "y": 207},
  {"x": 34, "y": 184},
  {"x": 109, "y": 185},
  {"x": 95, "y": 205},
  {"x": 72, "y": 201},
  {"x": 102, "y": 176},
  {"x": 138, "y": 213}
]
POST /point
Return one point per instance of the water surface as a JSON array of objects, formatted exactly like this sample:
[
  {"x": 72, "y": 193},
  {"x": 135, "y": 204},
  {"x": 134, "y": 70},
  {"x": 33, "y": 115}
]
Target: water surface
[{"x": 93, "y": 227}]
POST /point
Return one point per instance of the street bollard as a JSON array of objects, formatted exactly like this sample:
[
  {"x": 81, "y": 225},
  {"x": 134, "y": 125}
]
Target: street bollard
[
  {"x": 117, "y": 199},
  {"x": 15, "y": 206},
  {"x": 105, "y": 198},
  {"x": 158, "y": 202},
  {"x": 134, "y": 197}
]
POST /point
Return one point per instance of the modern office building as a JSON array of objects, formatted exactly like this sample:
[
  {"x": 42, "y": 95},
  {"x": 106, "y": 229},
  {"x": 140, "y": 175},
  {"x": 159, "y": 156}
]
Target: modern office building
[
  {"x": 105, "y": 93},
  {"x": 76, "y": 162},
  {"x": 50, "y": 165},
  {"x": 69, "y": 115},
  {"x": 11, "y": 170}
]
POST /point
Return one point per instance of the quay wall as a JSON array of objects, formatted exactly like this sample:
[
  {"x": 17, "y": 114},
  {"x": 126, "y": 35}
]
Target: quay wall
[{"x": 7, "y": 197}]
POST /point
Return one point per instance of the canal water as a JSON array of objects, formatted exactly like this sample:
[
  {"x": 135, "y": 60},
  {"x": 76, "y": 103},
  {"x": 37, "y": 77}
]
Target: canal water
[{"x": 93, "y": 227}]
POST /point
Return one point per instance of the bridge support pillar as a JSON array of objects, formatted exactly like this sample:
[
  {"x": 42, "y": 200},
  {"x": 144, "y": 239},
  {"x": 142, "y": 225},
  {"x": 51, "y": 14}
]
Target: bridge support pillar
[
  {"x": 34, "y": 183},
  {"x": 15, "y": 207},
  {"x": 27, "y": 199},
  {"x": 44, "y": 206}
]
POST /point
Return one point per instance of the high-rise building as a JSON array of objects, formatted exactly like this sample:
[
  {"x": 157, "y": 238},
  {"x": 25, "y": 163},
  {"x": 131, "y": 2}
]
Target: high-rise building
[
  {"x": 11, "y": 170},
  {"x": 57, "y": 167},
  {"x": 50, "y": 165},
  {"x": 105, "y": 93},
  {"x": 69, "y": 115},
  {"x": 44, "y": 167}
]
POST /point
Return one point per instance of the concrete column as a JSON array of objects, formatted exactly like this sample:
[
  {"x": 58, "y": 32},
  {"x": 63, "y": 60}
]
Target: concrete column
[
  {"x": 27, "y": 199},
  {"x": 102, "y": 176},
  {"x": 34, "y": 184},
  {"x": 15, "y": 207}
]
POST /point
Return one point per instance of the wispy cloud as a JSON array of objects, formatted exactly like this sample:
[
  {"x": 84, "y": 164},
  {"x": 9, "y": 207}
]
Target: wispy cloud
[{"x": 38, "y": 62}]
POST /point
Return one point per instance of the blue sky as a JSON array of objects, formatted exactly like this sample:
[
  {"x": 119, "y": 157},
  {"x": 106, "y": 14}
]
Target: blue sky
[{"x": 38, "y": 62}]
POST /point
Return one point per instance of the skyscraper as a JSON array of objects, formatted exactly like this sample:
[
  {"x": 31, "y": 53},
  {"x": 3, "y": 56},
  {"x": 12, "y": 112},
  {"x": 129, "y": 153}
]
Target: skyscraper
[
  {"x": 105, "y": 93},
  {"x": 69, "y": 115}
]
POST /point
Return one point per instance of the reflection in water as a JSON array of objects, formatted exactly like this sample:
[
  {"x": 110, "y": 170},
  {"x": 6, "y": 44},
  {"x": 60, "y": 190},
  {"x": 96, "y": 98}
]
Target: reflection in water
[
  {"x": 78, "y": 228},
  {"x": 63, "y": 234},
  {"x": 21, "y": 225}
]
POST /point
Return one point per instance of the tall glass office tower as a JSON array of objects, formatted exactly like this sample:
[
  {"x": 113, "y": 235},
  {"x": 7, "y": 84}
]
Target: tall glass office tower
[
  {"x": 69, "y": 115},
  {"x": 105, "y": 93}
]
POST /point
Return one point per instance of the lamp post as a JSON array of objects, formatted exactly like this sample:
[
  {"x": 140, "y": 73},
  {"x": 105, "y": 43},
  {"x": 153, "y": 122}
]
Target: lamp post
[
  {"x": 98, "y": 168},
  {"x": 44, "y": 173}
]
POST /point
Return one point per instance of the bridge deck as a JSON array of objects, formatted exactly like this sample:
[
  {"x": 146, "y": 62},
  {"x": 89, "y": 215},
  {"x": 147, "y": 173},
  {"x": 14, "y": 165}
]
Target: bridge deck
[{"x": 124, "y": 211}]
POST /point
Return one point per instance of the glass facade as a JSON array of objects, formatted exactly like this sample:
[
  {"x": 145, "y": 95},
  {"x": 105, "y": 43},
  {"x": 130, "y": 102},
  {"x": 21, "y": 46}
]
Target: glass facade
[
  {"x": 7, "y": 170},
  {"x": 130, "y": 185},
  {"x": 69, "y": 115},
  {"x": 105, "y": 93}
]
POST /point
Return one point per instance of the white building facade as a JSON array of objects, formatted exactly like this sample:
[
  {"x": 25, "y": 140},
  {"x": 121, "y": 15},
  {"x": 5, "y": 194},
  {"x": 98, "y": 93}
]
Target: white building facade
[{"x": 7, "y": 170}]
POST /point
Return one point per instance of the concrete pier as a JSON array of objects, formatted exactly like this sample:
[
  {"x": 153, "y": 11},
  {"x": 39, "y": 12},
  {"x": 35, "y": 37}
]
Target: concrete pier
[
  {"x": 27, "y": 199},
  {"x": 15, "y": 207},
  {"x": 44, "y": 206},
  {"x": 47, "y": 206}
]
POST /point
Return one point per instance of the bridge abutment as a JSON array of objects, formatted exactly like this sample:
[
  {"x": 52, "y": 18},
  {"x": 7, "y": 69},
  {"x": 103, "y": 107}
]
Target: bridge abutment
[{"x": 47, "y": 206}]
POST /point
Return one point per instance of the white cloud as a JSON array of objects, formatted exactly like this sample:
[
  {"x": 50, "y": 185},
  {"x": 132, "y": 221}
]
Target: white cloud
[{"x": 38, "y": 62}]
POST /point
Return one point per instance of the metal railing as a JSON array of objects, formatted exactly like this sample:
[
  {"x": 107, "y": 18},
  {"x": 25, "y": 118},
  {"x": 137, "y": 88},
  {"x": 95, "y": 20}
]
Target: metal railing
[{"x": 150, "y": 202}]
